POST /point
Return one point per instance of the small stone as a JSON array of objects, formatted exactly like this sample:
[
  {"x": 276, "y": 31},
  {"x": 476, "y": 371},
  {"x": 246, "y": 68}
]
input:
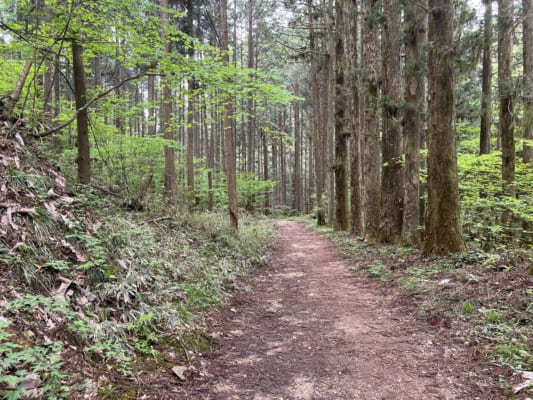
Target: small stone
[{"x": 179, "y": 371}]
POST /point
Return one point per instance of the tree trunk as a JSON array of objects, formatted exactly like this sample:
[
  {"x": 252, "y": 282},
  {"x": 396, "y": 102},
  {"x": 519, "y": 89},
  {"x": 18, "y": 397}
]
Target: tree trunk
[
  {"x": 443, "y": 222},
  {"x": 486, "y": 85},
  {"x": 342, "y": 120},
  {"x": 391, "y": 170},
  {"x": 250, "y": 101},
  {"x": 266, "y": 177},
  {"x": 528, "y": 80},
  {"x": 82, "y": 119},
  {"x": 330, "y": 101},
  {"x": 229, "y": 134},
  {"x": 297, "y": 154},
  {"x": 371, "y": 152},
  {"x": 151, "y": 106},
  {"x": 353, "y": 84},
  {"x": 283, "y": 158},
  {"x": 414, "y": 95},
  {"x": 15, "y": 94},
  {"x": 190, "y": 113},
  {"x": 171, "y": 189},
  {"x": 505, "y": 87},
  {"x": 319, "y": 150}
]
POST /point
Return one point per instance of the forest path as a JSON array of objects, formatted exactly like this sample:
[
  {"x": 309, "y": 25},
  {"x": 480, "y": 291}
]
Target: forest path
[{"x": 313, "y": 330}]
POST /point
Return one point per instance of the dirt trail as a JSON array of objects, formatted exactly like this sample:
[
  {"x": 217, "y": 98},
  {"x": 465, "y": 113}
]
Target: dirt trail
[{"x": 312, "y": 330}]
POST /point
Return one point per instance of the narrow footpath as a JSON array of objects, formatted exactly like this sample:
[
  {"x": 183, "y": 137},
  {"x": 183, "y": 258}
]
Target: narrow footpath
[{"x": 313, "y": 330}]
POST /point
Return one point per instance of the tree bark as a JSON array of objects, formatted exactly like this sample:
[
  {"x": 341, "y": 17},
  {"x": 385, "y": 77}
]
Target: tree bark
[
  {"x": 250, "y": 123},
  {"x": 17, "y": 90},
  {"x": 190, "y": 113},
  {"x": 528, "y": 80},
  {"x": 370, "y": 142},
  {"x": 391, "y": 170},
  {"x": 266, "y": 177},
  {"x": 297, "y": 154},
  {"x": 82, "y": 119},
  {"x": 486, "y": 85},
  {"x": 320, "y": 152},
  {"x": 505, "y": 87},
  {"x": 171, "y": 189},
  {"x": 342, "y": 120},
  {"x": 229, "y": 134},
  {"x": 414, "y": 95},
  {"x": 353, "y": 94},
  {"x": 443, "y": 222}
]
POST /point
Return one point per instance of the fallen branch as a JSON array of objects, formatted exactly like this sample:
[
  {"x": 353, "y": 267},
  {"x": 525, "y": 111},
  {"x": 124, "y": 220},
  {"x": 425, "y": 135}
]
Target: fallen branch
[{"x": 151, "y": 221}]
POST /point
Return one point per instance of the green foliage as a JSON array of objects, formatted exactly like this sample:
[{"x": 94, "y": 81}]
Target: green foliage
[
  {"x": 490, "y": 218},
  {"x": 467, "y": 307}
]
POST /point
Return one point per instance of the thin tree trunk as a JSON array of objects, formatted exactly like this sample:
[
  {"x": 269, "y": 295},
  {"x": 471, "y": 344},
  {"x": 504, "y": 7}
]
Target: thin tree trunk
[
  {"x": 391, "y": 172},
  {"x": 319, "y": 151},
  {"x": 229, "y": 134},
  {"x": 528, "y": 80},
  {"x": 82, "y": 119},
  {"x": 355, "y": 144},
  {"x": 486, "y": 85},
  {"x": 443, "y": 222},
  {"x": 414, "y": 95},
  {"x": 283, "y": 159},
  {"x": 171, "y": 190},
  {"x": 505, "y": 87},
  {"x": 297, "y": 154},
  {"x": 151, "y": 106},
  {"x": 191, "y": 109},
  {"x": 250, "y": 101},
  {"x": 17, "y": 91},
  {"x": 265, "y": 170}
]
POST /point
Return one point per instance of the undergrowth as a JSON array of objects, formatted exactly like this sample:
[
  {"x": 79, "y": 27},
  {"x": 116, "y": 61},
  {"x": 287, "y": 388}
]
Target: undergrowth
[{"x": 115, "y": 287}]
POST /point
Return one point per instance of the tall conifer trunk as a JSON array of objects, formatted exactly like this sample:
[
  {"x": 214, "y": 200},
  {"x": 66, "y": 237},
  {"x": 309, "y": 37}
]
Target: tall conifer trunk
[
  {"x": 171, "y": 189},
  {"x": 486, "y": 82},
  {"x": 505, "y": 88},
  {"x": 342, "y": 119},
  {"x": 528, "y": 79},
  {"x": 229, "y": 134},
  {"x": 371, "y": 160},
  {"x": 391, "y": 168},
  {"x": 414, "y": 94},
  {"x": 443, "y": 222}
]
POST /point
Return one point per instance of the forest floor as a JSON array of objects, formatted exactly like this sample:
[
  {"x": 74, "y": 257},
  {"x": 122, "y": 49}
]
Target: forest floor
[{"x": 312, "y": 329}]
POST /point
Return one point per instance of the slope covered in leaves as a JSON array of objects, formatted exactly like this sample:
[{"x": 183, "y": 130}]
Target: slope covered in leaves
[{"x": 86, "y": 287}]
